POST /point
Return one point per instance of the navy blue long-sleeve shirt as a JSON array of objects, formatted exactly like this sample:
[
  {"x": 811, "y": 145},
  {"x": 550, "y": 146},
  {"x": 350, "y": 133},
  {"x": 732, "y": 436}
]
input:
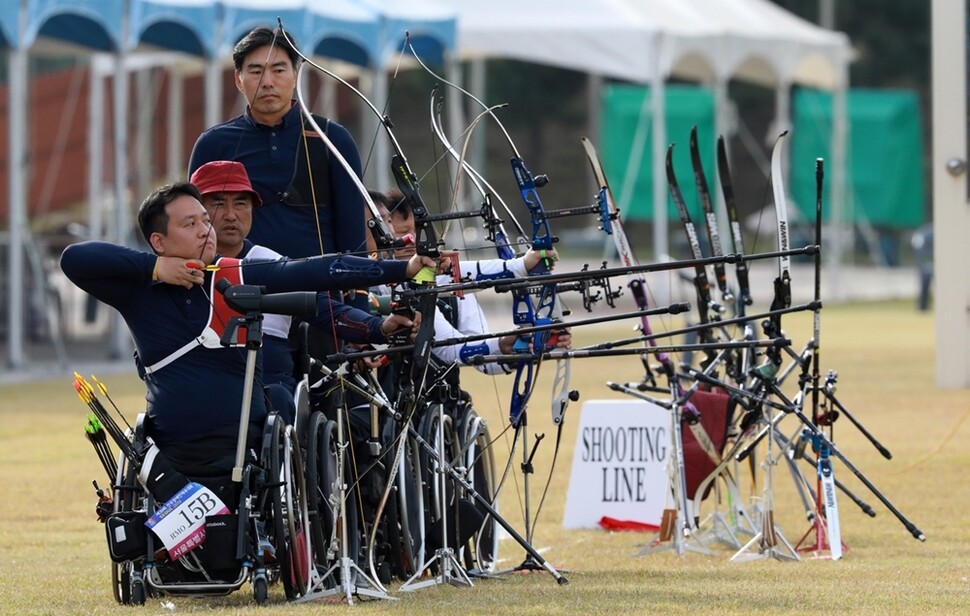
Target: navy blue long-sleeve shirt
[
  {"x": 201, "y": 392},
  {"x": 269, "y": 155}
]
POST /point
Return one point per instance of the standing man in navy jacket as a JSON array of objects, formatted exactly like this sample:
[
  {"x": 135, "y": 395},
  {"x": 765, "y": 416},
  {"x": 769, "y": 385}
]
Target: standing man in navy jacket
[{"x": 310, "y": 204}]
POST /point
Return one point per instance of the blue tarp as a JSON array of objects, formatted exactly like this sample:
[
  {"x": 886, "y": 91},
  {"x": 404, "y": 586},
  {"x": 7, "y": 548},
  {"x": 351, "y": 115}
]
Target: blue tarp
[
  {"x": 92, "y": 24},
  {"x": 362, "y": 33}
]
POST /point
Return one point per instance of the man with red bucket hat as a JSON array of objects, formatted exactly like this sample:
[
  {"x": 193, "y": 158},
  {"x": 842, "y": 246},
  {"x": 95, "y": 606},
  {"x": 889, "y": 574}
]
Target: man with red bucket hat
[{"x": 229, "y": 199}]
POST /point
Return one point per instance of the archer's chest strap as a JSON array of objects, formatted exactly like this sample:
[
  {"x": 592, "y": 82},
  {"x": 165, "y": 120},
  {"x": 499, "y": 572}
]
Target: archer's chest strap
[
  {"x": 219, "y": 315},
  {"x": 310, "y": 185}
]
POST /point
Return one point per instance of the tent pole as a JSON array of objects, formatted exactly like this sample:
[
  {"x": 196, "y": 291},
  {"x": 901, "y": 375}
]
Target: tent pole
[
  {"x": 379, "y": 171},
  {"x": 95, "y": 146},
  {"x": 327, "y": 98},
  {"x": 722, "y": 126},
  {"x": 145, "y": 95},
  {"x": 594, "y": 102},
  {"x": 594, "y": 124},
  {"x": 366, "y": 127},
  {"x": 661, "y": 245},
  {"x": 839, "y": 219},
  {"x": 174, "y": 163},
  {"x": 121, "y": 231},
  {"x": 477, "y": 85},
  {"x": 382, "y": 164},
  {"x": 213, "y": 91},
  {"x": 17, "y": 215},
  {"x": 456, "y": 120}
]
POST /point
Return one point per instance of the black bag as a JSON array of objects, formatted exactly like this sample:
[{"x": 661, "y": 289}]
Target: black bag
[
  {"x": 218, "y": 552},
  {"x": 127, "y": 535}
]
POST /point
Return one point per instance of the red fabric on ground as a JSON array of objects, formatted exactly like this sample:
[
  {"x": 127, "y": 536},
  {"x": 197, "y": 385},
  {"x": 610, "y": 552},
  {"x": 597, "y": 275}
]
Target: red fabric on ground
[{"x": 609, "y": 523}]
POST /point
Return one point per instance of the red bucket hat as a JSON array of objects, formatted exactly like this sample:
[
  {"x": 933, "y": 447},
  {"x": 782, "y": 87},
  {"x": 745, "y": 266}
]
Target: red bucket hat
[{"x": 224, "y": 176}]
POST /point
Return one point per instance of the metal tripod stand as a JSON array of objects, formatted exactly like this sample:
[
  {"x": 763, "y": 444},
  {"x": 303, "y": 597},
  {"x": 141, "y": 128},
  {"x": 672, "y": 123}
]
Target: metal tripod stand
[
  {"x": 529, "y": 563},
  {"x": 769, "y": 542}
]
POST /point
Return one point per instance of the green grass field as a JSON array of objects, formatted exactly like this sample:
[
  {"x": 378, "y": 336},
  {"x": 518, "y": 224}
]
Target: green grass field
[{"x": 53, "y": 558}]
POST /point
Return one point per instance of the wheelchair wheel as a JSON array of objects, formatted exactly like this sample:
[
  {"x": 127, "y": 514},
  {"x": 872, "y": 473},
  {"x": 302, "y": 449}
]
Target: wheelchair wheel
[
  {"x": 391, "y": 555},
  {"x": 298, "y": 521},
  {"x": 323, "y": 466},
  {"x": 120, "y": 576},
  {"x": 396, "y": 548},
  {"x": 410, "y": 505},
  {"x": 438, "y": 503},
  {"x": 120, "y": 580},
  {"x": 288, "y": 498},
  {"x": 482, "y": 550},
  {"x": 124, "y": 499}
]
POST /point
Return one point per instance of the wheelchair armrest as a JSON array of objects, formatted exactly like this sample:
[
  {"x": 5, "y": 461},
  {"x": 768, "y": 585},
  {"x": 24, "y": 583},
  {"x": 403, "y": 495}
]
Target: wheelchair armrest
[
  {"x": 301, "y": 356},
  {"x": 142, "y": 430}
]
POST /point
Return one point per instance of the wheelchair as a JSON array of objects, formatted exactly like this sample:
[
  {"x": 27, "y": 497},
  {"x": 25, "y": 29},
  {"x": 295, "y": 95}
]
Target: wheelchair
[
  {"x": 262, "y": 539},
  {"x": 480, "y": 554},
  {"x": 345, "y": 476},
  {"x": 413, "y": 520},
  {"x": 392, "y": 537},
  {"x": 466, "y": 448}
]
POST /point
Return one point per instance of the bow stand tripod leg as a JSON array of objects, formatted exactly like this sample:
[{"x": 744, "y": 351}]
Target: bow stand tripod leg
[
  {"x": 522, "y": 433},
  {"x": 677, "y": 525},
  {"x": 769, "y": 540},
  {"x": 486, "y": 503},
  {"x": 835, "y": 452}
]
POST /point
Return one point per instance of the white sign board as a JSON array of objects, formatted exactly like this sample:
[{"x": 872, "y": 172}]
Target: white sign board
[
  {"x": 619, "y": 463},
  {"x": 180, "y": 522}
]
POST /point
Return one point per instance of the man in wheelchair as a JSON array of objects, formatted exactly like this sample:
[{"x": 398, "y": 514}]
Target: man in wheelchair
[{"x": 188, "y": 354}]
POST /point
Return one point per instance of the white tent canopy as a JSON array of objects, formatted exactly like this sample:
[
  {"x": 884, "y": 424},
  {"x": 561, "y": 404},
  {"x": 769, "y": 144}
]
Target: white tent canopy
[
  {"x": 650, "y": 41},
  {"x": 592, "y": 36},
  {"x": 753, "y": 40}
]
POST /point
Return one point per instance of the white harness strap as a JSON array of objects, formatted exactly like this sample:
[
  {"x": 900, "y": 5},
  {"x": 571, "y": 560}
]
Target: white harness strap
[
  {"x": 177, "y": 354},
  {"x": 219, "y": 315}
]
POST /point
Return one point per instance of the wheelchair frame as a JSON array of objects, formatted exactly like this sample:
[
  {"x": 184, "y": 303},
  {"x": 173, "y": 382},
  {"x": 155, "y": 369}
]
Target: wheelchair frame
[{"x": 271, "y": 518}]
